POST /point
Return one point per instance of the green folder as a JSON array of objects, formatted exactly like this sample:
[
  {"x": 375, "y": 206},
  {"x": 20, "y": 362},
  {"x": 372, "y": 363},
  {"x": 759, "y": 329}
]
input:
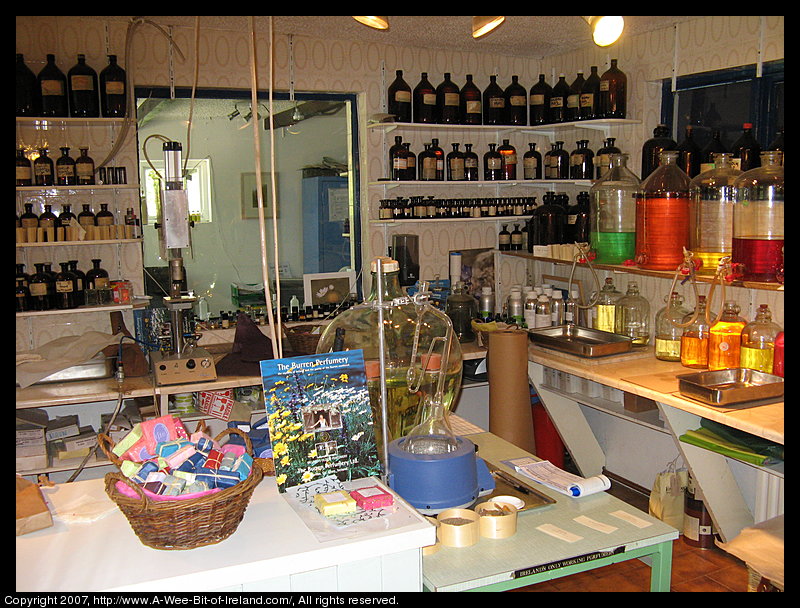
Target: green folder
[{"x": 733, "y": 443}]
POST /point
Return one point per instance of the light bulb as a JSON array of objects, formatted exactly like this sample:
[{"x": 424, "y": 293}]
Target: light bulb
[{"x": 607, "y": 30}]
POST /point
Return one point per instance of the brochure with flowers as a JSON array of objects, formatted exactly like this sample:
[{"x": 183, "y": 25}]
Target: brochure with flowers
[{"x": 320, "y": 419}]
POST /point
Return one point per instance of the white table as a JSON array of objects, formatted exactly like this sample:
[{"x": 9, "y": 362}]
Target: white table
[{"x": 272, "y": 550}]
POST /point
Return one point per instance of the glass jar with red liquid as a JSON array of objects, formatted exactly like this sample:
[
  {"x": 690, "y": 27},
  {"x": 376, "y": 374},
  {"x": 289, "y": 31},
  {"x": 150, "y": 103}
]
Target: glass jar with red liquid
[
  {"x": 662, "y": 216},
  {"x": 758, "y": 220}
]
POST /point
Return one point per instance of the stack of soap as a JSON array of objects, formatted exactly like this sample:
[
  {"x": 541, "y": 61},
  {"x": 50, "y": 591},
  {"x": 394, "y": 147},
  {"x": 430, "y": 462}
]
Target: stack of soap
[
  {"x": 372, "y": 497},
  {"x": 333, "y": 503}
]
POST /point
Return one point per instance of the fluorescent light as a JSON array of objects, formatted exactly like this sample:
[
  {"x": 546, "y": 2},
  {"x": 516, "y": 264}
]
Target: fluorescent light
[
  {"x": 605, "y": 30},
  {"x": 379, "y": 23},
  {"x": 483, "y": 25}
]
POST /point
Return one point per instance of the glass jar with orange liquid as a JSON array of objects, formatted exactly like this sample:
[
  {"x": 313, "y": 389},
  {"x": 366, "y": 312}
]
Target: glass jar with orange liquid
[
  {"x": 694, "y": 340},
  {"x": 758, "y": 341},
  {"x": 725, "y": 337},
  {"x": 712, "y": 197},
  {"x": 662, "y": 216}
]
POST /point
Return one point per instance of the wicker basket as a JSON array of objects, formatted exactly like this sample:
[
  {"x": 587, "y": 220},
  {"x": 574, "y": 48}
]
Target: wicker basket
[
  {"x": 302, "y": 341},
  {"x": 182, "y": 524}
]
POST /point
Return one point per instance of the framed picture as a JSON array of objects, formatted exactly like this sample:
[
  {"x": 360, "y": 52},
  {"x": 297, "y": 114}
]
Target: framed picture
[
  {"x": 477, "y": 269},
  {"x": 250, "y": 196},
  {"x": 562, "y": 283},
  {"x": 328, "y": 287}
]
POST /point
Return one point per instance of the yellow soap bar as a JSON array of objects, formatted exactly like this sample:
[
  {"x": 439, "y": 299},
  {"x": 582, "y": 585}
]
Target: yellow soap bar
[{"x": 333, "y": 503}]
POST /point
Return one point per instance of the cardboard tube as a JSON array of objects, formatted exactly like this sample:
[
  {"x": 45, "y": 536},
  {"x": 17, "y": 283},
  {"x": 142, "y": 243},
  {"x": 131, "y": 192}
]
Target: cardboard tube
[{"x": 510, "y": 413}]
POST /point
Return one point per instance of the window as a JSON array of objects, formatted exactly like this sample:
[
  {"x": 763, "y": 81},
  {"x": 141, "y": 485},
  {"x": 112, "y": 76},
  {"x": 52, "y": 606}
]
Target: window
[
  {"x": 198, "y": 187},
  {"x": 725, "y": 100}
]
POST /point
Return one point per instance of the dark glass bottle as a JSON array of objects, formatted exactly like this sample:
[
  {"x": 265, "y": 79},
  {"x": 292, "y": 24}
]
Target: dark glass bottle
[
  {"x": 438, "y": 154},
  {"x": 411, "y": 163},
  {"x": 516, "y": 102},
  {"x": 471, "y": 172},
  {"x": 448, "y": 102},
  {"x": 613, "y": 92},
  {"x": 558, "y": 161},
  {"x": 689, "y": 154},
  {"x": 398, "y": 159},
  {"x": 532, "y": 163},
  {"x": 574, "y": 100},
  {"x": 540, "y": 102},
  {"x": 82, "y": 87},
  {"x": 455, "y": 165},
  {"x": 29, "y": 219},
  {"x": 21, "y": 274},
  {"x": 581, "y": 161},
  {"x": 28, "y": 96},
  {"x": 652, "y": 149},
  {"x": 23, "y": 296},
  {"x": 424, "y": 100},
  {"x": 516, "y": 238},
  {"x": 65, "y": 169},
  {"x": 113, "y": 90},
  {"x": 558, "y": 100},
  {"x": 550, "y": 221},
  {"x": 53, "y": 86},
  {"x": 494, "y": 103},
  {"x": 508, "y": 153},
  {"x": 96, "y": 277},
  {"x": 43, "y": 169},
  {"x": 427, "y": 164},
  {"x": 84, "y": 168},
  {"x": 66, "y": 217},
  {"x": 714, "y": 146},
  {"x": 747, "y": 149},
  {"x": 777, "y": 144},
  {"x": 603, "y": 156},
  {"x": 471, "y": 103},
  {"x": 504, "y": 239},
  {"x": 399, "y": 98},
  {"x": 24, "y": 169},
  {"x": 104, "y": 217},
  {"x": 86, "y": 217},
  {"x": 65, "y": 288},
  {"x": 41, "y": 288},
  {"x": 576, "y": 228},
  {"x": 492, "y": 164},
  {"x": 590, "y": 95},
  {"x": 48, "y": 219}
]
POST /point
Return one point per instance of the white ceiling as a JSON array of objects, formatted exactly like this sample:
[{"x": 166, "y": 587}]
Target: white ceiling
[{"x": 525, "y": 36}]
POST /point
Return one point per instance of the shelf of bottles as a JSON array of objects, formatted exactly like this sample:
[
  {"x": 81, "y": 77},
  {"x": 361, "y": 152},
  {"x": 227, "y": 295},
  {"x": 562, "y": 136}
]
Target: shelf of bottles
[
  {"x": 80, "y": 309},
  {"x": 664, "y": 274},
  {"x": 599, "y": 124}
]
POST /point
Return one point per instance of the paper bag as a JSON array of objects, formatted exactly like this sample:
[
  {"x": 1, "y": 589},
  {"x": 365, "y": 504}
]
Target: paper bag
[
  {"x": 667, "y": 496},
  {"x": 32, "y": 511}
]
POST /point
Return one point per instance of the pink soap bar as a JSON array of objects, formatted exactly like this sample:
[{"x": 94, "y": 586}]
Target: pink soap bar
[{"x": 372, "y": 497}]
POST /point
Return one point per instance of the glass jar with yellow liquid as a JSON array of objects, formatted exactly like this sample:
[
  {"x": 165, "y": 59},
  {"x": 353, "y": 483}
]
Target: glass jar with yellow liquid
[
  {"x": 758, "y": 341},
  {"x": 668, "y": 331},
  {"x": 694, "y": 340},
  {"x": 605, "y": 308},
  {"x": 724, "y": 341},
  {"x": 632, "y": 316}
]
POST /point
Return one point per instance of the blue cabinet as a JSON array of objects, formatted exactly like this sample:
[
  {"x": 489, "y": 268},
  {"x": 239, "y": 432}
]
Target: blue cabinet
[{"x": 326, "y": 224}]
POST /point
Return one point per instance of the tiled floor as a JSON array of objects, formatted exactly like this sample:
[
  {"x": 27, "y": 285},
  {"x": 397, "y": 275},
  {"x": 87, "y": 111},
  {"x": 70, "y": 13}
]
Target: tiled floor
[{"x": 693, "y": 569}]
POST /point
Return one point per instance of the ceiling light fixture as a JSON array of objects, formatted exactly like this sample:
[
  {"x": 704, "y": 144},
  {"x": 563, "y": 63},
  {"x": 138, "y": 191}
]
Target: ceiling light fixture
[
  {"x": 605, "y": 30},
  {"x": 483, "y": 25},
  {"x": 379, "y": 23}
]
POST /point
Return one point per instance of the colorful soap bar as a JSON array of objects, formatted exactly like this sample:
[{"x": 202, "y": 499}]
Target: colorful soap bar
[
  {"x": 167, "y": 448},
  {"x": 213, "y": 460},
  {"x": 243, "y": 466},
  {"x": 333, "y": 503},
  {"x": 216, "y": 478},
  {"x": 372, "y": 497}
]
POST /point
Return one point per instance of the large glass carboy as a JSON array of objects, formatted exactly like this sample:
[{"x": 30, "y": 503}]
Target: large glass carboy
[
  {"x": 419, "y": 346},
  {"x": 758, "y": 341},
  {"x": 632, "y": 316},
  {"x": 612, "y": 215}
]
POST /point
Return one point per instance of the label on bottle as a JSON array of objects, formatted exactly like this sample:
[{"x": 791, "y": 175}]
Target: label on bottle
[
  {"x": 473, "y": 107},
  {"x": 63, "y": 171},
  {"x": 82, "y": 83},
  {"x": 497, "y": 102},
  {"x": 587, "y": 100},
  {"x": 504, "y": 238},
  {"x": 516, "y": 238},
  {"x": 471, "y": 162},
  {"x": 510, "y": 159},
  {"x": 53, "y": 87},
  {"x": 457, "y": 168},
  {"x": 573, "y": 101},
  {"x": 402, "y": 96},
  {"x": 428, "y": 168},
  {"x": 100, "y": 282},
  {"x": 105, "y": 220},
  {"x": 494, "y": 163},
  {"x": 399, "y": 162},
  {"x": 556, "y": 102},
  {"x": 64, "y": 286},
  {"x": 24, "y": 172},
  {"x": 517, "y": 100},
  {"x": 84, "y": 170},
  {"x": 429, "y": 99},
  {"x": 452, "y": 99},
  {"x": 572, "y": 219},
  {"x": 576, "y": 159},
  {"x": 537, "y": 100},
  {"x": 115, "y": 87},
  {"x": 29, "y": 222},
  {"x": 38, "y": 289},
  {"x": 41, "y": 169},
  {"x": 529, "y": 165},
  {"x": 605, "y": 85}
]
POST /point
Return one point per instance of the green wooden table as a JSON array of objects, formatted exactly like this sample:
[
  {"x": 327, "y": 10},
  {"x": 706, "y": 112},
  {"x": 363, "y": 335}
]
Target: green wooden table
[{"x": 533, "y": 556}]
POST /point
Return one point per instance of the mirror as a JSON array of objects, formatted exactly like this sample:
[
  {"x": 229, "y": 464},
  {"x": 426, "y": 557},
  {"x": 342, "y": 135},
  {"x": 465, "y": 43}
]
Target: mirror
[{"x": 317, "y": 215}]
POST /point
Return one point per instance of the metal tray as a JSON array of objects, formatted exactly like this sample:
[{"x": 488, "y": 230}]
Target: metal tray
[
  {"x": 581, "y": 341},
  {"x": 95, "y": 368},
  {"x": 729, "y": 386}
]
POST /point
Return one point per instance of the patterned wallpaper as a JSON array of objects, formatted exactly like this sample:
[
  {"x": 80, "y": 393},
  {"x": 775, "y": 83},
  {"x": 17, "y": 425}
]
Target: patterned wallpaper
[{"x": 706, "y": 43}]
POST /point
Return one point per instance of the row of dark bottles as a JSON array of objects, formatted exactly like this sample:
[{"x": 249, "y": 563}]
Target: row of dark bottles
[
  {"x": 48, "y": 219},
  {"x": 499, "y": 162},
  {"x": 422, "y": 207},
  {"x": 81, "y": 93},
  {"x": 693, "y": 159},
  {"x": 554, "y": 222},
  {"x": 597, "y": 96},
  {"x": 47, "y": 289},
  {"x": 65, "y": 171}
]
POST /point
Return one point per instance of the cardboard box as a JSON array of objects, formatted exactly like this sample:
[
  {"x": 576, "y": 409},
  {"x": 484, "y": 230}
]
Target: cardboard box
[
  {"x": 62, "y": 426},
  {"x": 32, "y": 511},
  {"x": 635, "y": 403}
]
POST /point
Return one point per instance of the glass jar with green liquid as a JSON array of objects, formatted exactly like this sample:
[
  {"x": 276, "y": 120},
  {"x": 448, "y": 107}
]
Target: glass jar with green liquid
[{"x": 612, "y": 214}]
